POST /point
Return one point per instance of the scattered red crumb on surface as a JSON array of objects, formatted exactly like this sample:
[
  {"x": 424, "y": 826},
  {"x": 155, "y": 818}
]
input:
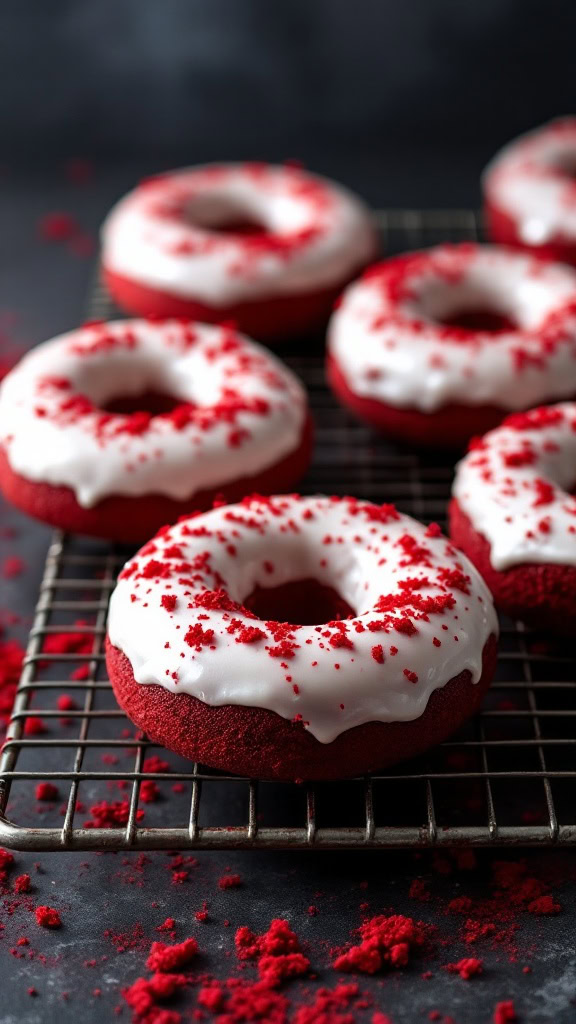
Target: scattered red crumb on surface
[
  {"x": 144, "y": 993},
  {"x": 504, "y": 1012},
  {"x": 111, "y": 814},
  {"x": 385, "y": 942},
  {"x": 46, "y": 791},
  {"x": 12, "y": 566},
  {"x": 277, "y": 951},
  {"x": 11, "y": 655},
  {"x": 6, "y": 859},
  {"x": 149, "y": 791},
  {"x": 66, "y": 703},
  {"x": 229, "y": 881},
  {"x": 544, "y": 905},
  {"x": 22, "y": 883},
  {"x": 419, "y": 891},
  {"x": 57, "y": 227},
  {"x": 34, "y": 726},
  {"x": 48, "y": 917},
  {"x": 169, "y": 958},
  {"x": 467, "y": 968}
]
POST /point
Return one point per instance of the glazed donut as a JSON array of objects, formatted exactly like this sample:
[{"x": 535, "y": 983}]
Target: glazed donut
[
  {"x": 116, "y": 428},
  {"x": 433, "y": 347},
  {"x": 530, "y": 191},
  {"x": 267, "y": 247},
  {"x": 514, "y": 515},
  {"x": 204, "y": 655}
]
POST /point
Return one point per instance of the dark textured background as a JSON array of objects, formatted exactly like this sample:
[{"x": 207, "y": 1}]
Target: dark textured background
[
  {"x": 402, "y": 101},
  {"x": 225, "y": 77}
]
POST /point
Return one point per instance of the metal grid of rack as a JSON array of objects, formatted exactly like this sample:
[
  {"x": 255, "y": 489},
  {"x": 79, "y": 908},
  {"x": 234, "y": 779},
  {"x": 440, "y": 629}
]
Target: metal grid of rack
[{"x": 507, "y": 778}]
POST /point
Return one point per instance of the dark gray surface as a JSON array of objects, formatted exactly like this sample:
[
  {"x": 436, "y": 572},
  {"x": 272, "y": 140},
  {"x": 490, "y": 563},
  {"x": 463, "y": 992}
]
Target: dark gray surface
[
  {"x": 46, "y": 286},
  {"x": 125, "y": 76}
]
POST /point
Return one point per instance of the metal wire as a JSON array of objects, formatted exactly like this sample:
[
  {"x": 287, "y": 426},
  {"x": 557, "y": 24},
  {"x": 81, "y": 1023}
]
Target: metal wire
[{"x": 507, "y": 778}]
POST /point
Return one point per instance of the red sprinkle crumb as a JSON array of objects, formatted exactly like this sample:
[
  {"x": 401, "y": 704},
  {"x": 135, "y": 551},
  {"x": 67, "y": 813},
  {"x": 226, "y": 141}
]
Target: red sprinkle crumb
[
  {"x": 386, "y": 942},
  {"x": 48, "y": 917},
  {"x": 504, "y": 1012},
  {"x": 168, "y": 958},
  {"x": 467, "y": 968},
  {"x": 229, "y": 881},
  {"x": 46, "y": 791}
]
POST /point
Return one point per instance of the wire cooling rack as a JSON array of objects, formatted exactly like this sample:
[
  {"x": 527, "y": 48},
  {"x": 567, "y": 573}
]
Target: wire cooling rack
[{"x": 507, "y": 778}]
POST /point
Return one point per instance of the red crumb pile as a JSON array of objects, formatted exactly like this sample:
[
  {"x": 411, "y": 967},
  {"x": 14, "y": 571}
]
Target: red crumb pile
[
  {"x": 385, "y": 942},
  {"x": 277, "y": 952}
]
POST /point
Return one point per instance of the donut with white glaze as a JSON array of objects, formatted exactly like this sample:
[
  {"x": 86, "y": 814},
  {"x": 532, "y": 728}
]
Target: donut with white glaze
[
  {"x": 513, "y": 513},
  {"x": 300, "y": 637},
  {"x": 433, "y": 347},
  {"x": 119, "y": 427},
  {"x": 530, "y": 191},
  {"x": 268, "y": 247}
]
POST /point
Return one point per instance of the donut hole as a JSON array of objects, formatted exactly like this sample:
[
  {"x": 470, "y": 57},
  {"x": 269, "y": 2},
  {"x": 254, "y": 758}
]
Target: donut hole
[
  {"x": 225, "y": 215},
  {"x": 470, "y": 306},
  {"x": 490, "y": 321},
  {"x": 157, "y": 403},
  {"x": 305, "y": 602}
]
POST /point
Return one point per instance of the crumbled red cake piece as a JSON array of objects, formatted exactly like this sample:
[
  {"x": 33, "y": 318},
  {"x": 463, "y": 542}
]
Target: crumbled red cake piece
[
  {"x": 386, "y": 941},
  {"x": 111, "y": 814},
  {"x": 169, "y": 958},
  {"x": 48, "y": 917},
  {"x": 467, "y": 968},
  {"x": 277, "y": 951},
  {"x": 12, "y": 566},
  {"x": 34, "y": 726},
  {"x": 504, "y": 1012},
  {"x": 229, "y": 881},
  {"x": 57, "y": 227},
  {"x": 22, "y": 883},
  {"x": 11, "y": 656},
  {"x": 46, "y": 791}
]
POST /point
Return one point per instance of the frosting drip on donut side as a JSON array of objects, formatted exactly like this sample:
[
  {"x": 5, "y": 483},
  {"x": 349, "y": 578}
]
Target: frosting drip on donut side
[
  {"x": 421, "y": 615},
  {"x": 392, "y": 338},
  {"x": 514, "y": 487},
  {"x": 239, "y": 410},
  {"x": 315, "y": 234},
  {"x": 533, "y": 180}
]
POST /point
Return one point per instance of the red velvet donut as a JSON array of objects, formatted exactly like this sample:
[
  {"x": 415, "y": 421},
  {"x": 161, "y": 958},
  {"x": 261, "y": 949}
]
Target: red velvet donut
[
  {"x": 204, "y": 654},
  {"x": 445, "y": 428},
  {"x": 273, "y": 319},
  {"x": 529, "y": 194},
  {"x": 260, "y": 744},
  {"x": 434, "y": 347},
  {"x": 514, "y": 517},
  {"x": 267, "y": 247},
  {"x": 117, "y": 428}
]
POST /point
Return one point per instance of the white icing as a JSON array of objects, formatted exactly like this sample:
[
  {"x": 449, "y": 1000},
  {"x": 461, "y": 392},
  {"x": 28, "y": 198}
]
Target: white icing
[
  {"x": 396, "y": 351},
  {"x": 504, "y": 501},
  {"x": 151, "y": 249},
  {"x": 42, "y": 444},
  {"x": 531, "y": 179},
  {"x": 365, "y": 558}
]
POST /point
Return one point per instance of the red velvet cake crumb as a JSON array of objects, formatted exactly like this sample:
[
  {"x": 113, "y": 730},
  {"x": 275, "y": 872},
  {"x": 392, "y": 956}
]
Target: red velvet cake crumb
[
  {"x": 48, "y": 917},
  {"x": 229, "y": 881},
  {"x": 504, "y": 1012},
  {"x": 467, "y": 968},
  {"x": 46, "y": 791},
  {"x": 168, "y": 958},
  {"x": 386, "y": 942}
]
